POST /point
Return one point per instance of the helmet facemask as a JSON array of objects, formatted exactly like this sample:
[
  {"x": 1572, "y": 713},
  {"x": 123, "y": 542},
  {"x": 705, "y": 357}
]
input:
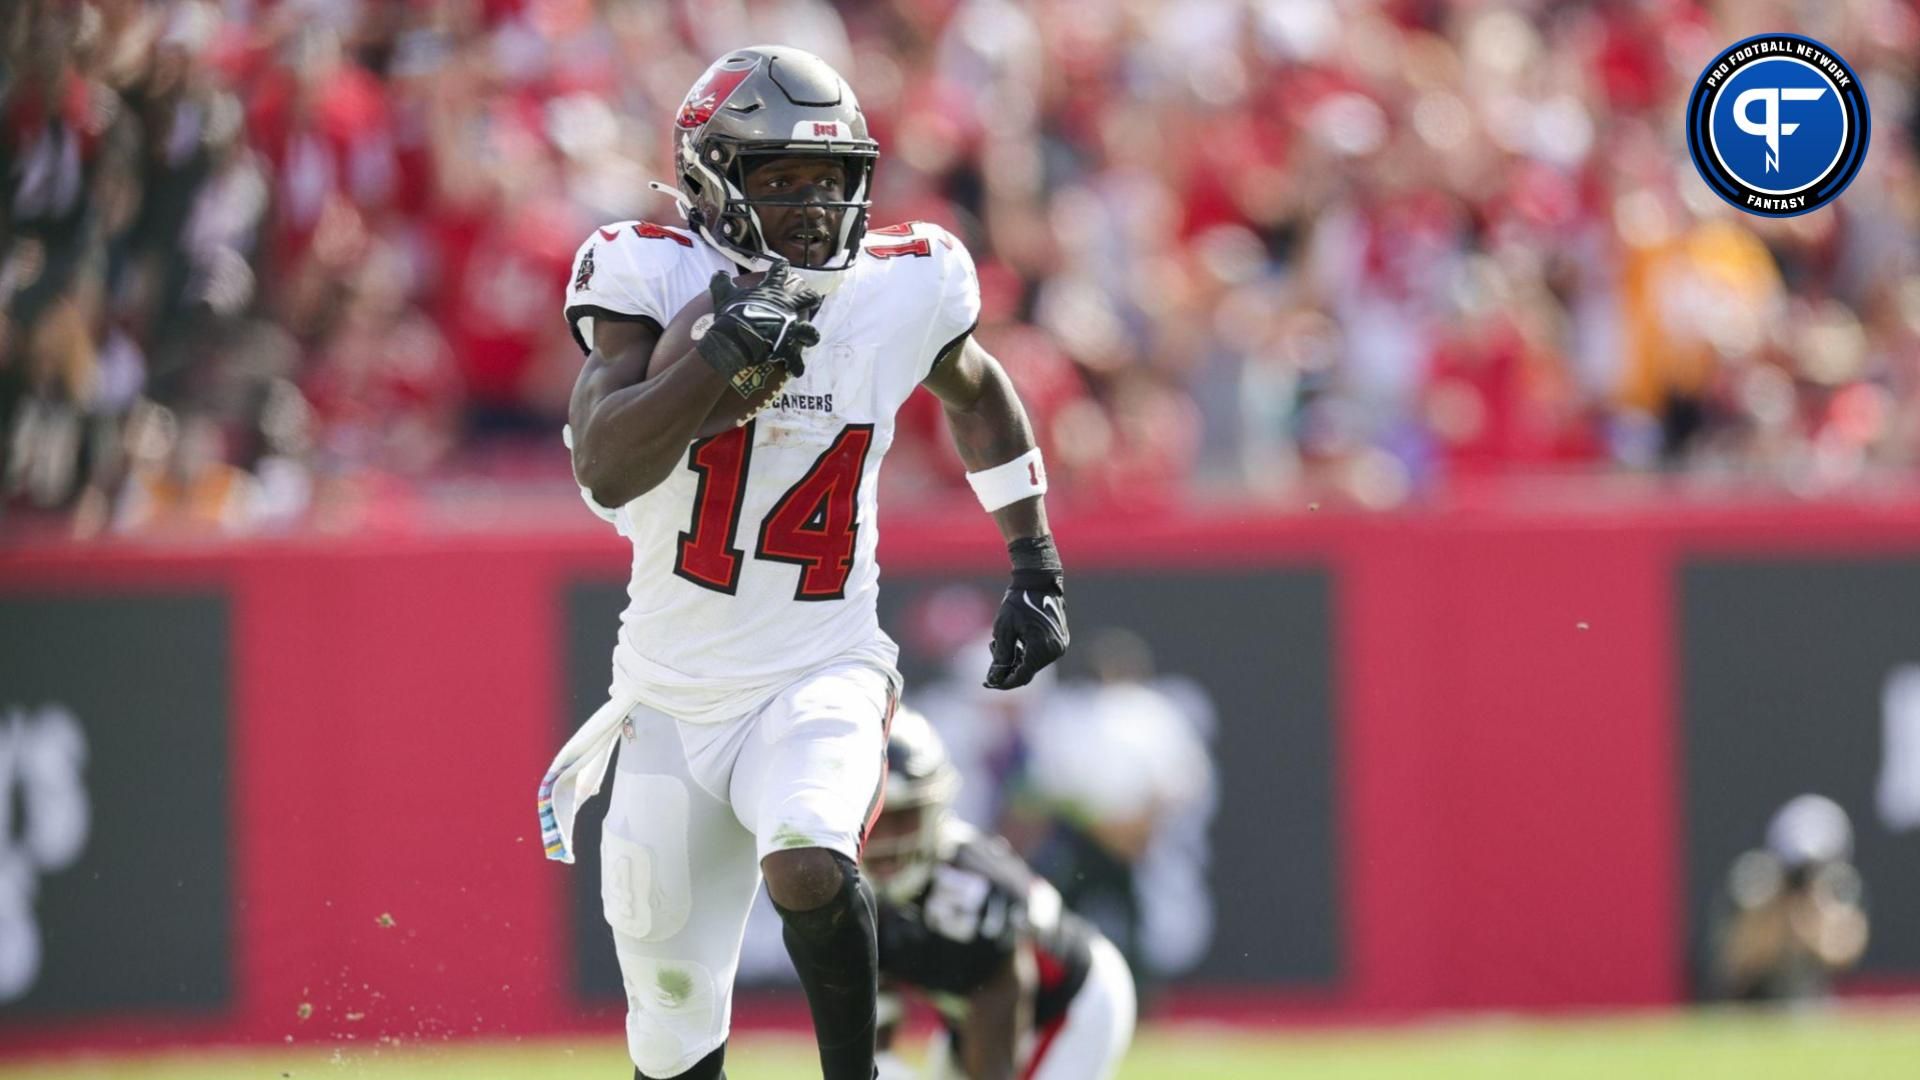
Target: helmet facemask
[{"x": 730, "y": 220}]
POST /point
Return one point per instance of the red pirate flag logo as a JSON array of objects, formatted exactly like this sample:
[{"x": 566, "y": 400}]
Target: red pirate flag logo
[{"x": 709, "y": 94}]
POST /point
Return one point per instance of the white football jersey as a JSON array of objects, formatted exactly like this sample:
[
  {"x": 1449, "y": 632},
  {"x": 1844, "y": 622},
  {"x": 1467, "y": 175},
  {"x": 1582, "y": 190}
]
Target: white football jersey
[{"x": 753, "y": 562}]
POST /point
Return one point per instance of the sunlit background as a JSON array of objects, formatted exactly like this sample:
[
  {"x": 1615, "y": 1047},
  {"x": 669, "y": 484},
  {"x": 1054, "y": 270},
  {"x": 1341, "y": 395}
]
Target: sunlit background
[{"x": 1477, "y": 531}]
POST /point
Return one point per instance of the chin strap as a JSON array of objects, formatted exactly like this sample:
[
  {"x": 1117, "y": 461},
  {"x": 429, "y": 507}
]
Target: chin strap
[
  {"x": 746, "y": 263},
  {"x": 680, "y": 200},
  {"x": 823, "y": 282}
]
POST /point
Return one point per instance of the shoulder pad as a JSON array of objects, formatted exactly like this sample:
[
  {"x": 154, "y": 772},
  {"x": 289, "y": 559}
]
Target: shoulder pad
[
  {"x": 941, "y": 265},
  {"x": 622, "y": 270}
]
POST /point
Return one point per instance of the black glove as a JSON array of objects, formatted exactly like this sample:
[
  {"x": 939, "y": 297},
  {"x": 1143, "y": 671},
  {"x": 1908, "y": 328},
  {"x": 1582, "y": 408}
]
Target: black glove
[
  {"x": 1030, "y": 631},
  {"x": 765, "y": 324}
]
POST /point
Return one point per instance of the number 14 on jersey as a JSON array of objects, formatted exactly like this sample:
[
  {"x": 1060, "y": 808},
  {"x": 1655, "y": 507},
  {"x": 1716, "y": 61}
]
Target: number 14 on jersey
[{"x": 813, "y": 525}]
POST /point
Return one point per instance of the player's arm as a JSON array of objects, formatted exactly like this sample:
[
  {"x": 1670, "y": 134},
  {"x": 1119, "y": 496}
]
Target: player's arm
[
  {"x": 1003, "y": 463},
  {"x": 630, "y": 431},
  {"x": 999, "y": 1015},
  {"x": 989, "y": 426}
]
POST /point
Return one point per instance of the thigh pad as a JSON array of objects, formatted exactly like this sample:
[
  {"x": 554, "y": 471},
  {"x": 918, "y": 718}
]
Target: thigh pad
[{"x": 646, "y": 883}]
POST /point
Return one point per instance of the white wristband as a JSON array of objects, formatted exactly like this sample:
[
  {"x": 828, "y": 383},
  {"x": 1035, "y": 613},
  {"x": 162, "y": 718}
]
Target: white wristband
[{"x": 1022, "y": 478}]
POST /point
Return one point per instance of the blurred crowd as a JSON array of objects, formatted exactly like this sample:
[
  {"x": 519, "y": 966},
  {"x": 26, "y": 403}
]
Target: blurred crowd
[{"x": 277, "y": 263}]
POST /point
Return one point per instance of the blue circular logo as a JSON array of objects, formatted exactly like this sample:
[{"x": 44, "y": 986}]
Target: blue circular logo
[{"x": 1778, "y": 125}]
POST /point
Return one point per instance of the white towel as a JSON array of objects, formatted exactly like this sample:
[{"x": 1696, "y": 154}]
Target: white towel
[{"x": 575, "y": 776}]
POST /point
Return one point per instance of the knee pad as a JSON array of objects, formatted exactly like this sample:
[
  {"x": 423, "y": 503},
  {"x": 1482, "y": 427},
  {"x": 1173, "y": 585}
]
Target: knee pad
[
  {"x": 804, "y": 878},
  {"x": 646, "y": 889},
  {"x": 848, "y": 900},
  {"x": 675, "y": 1016}
]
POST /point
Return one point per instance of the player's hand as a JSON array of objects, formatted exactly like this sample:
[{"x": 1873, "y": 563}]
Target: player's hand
[
  {"x": 763, "y": 324},
  {"x": 1030, "y": 630}
]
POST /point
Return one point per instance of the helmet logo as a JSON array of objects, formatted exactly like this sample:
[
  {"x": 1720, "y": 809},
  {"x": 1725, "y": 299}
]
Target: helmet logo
[{"x": 709, "y": 94}]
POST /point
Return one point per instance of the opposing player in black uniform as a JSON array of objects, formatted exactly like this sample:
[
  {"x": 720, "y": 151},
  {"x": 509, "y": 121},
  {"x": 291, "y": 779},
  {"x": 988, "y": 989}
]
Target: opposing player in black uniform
[{"x": 1024, "y": 988}]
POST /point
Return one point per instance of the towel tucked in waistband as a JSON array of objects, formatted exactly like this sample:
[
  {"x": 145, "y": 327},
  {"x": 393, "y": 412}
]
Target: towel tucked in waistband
[{"x": 575, "y": 776}]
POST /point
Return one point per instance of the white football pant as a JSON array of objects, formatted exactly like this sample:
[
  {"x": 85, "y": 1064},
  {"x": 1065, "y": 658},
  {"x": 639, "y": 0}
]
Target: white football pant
[{"x": 694, "y": 809}]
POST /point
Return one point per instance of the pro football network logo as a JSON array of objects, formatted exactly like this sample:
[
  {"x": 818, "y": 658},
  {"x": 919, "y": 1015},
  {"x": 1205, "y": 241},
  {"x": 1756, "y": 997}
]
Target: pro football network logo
[{"x": 1778, "y": 125}]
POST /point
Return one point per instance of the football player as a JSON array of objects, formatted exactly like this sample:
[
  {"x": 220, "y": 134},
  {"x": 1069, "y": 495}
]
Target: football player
[
  {"x": 752, "y": 683},
  {"x": 1792, "y": 915},
  {"x": 1024, "y": 987}
]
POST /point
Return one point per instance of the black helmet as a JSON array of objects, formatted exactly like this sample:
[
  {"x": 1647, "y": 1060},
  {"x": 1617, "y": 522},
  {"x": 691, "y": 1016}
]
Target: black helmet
[{"x": 770, "y": 101}]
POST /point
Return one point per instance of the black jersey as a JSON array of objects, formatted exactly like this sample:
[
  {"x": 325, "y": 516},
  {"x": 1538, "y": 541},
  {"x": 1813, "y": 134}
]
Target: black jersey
[{"x": 965, "y": 923}]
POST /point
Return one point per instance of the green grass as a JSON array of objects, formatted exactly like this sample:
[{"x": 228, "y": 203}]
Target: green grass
[{"x": 1854, "y": 1045}]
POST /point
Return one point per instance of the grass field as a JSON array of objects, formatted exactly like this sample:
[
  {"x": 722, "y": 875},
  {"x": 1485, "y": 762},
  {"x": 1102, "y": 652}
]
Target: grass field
[{"x": 1879, "y": 1044}]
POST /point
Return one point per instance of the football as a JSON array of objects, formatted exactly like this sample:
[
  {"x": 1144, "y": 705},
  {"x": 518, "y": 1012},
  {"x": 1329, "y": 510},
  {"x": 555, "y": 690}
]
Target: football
[{"x": 676, "y": 346}]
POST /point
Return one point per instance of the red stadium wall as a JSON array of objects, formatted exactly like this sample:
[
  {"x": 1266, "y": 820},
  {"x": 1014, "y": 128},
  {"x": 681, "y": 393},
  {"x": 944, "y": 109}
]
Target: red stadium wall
[{"x": 1509, "y": 809}]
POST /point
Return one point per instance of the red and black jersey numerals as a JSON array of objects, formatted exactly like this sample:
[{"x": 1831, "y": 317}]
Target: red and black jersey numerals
[
  {"x": 647, "y": 230},
  {"x": 920, "y": 248},
  {"x": 706, "y": 555},
  {"x": 815, "y": 524}
]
